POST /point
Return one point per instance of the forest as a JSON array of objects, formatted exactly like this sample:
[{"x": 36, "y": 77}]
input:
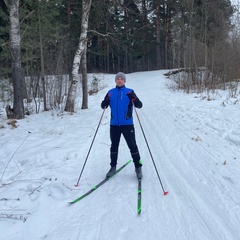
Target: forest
[{"x": 199, "y": 37}]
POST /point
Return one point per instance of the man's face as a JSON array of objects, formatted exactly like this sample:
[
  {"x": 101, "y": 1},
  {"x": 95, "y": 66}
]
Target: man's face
[{"x": 120, "y": 82}]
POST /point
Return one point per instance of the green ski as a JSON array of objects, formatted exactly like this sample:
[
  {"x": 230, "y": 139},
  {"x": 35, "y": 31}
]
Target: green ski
[
  {"x": 99, "y": 184},
  {"x": 139, "y": 196}
]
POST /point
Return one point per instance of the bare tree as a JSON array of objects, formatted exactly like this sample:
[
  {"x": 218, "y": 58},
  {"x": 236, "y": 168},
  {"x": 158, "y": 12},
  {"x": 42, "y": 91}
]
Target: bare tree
[
  {"x": 42, "y": 58},
  {"x": 84, "y": 80},
  {"x": 86, "y": 5},
  {"x": 158, "y": 34},
  {"x": 18, "y": 80}
]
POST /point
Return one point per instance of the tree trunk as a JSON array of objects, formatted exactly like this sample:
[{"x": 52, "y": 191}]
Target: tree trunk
[
  {"x": 86, "y": 5},
  {"x": 42, "y": 60},
  {"x": 84, "y": 80},
  {"x": 144, "y": 36},
  {"x": 158, "y": 25},
  {"x": 18, "y": 80},
  {"x": 168, "y": 37}
]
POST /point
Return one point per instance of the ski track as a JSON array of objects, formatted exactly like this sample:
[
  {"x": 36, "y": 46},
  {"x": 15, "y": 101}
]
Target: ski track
[
  {"x": 203, "y": 199},
  {"x": 183, "y": 130}
]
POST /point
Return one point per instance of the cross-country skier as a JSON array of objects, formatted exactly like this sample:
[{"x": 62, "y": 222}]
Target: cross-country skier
[{"x": 121, "y": 100}]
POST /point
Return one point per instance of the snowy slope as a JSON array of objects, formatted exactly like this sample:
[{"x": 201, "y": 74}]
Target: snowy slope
[{"x": 195, "y": 145}]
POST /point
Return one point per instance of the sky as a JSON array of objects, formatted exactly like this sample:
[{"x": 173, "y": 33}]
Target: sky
[{"x": 195, "y": 146}]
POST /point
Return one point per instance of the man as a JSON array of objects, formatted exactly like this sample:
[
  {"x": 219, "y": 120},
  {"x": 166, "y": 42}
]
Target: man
[{"x": 121, "y": 100}]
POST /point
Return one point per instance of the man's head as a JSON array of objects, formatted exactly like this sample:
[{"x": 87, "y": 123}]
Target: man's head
[{"x": 120, "y": 79}]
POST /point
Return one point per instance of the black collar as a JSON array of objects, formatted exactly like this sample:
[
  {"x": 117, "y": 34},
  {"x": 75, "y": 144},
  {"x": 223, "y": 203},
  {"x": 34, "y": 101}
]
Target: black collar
[{"x": 120, "y": 87}]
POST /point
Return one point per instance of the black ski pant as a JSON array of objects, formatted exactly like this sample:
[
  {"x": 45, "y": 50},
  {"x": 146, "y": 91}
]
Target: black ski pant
[{"x": 128, "y": 133}]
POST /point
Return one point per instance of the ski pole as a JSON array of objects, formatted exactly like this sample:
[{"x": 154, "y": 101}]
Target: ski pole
[
  {"x": 76, "y": 185},
  {"x": 164, "y": 192}
]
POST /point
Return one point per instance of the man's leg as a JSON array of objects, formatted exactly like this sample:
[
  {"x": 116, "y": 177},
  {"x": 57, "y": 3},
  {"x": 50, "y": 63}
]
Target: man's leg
[
  {"x": 115, "y": 135},
  {"x": 129, "y": 135}
]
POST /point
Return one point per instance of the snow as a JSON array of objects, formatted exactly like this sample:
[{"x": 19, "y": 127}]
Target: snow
[{"x": 194, "y": 143}]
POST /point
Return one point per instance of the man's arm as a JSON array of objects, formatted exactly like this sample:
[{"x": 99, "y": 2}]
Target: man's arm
[
  {"x": 105, "y": 103},
  {"x": 134, "y": 99}
]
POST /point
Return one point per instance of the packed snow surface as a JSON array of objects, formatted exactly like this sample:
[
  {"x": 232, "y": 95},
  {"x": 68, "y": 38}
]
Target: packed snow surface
[{"x": 194, "y": 143}]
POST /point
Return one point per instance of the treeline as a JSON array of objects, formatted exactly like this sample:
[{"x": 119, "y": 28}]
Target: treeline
[
  {"x": 46, "y": 38},
  {"x": 126, "y": 35}
]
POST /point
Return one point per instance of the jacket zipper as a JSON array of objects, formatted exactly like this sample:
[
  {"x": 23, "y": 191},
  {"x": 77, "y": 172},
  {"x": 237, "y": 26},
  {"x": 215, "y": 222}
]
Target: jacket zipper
[{"x": 118, "y": 105}]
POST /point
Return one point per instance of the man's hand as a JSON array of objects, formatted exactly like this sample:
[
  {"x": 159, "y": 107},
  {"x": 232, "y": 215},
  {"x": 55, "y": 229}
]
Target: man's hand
[
  {"x": 105, "y": 103},
  {"x": 134, "y": 99},
  {"x": 132, "y": 96}
]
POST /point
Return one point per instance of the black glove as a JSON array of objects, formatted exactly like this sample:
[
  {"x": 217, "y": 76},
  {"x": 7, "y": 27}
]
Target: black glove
[
  {"x": 132, "y": 96},
  {"x": 134, "y": 99},
  {"x": 105, "y": 103}
]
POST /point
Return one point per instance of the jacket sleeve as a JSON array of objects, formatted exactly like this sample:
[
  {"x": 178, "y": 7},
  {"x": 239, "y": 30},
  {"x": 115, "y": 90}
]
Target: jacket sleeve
[
  {"x": 105, "y": 102},
  {"x": 136, "y": 101}
]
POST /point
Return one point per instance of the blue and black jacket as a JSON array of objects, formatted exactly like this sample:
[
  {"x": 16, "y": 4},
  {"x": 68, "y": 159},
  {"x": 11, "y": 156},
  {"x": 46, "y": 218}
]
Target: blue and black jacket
[{"x": 121, "y": 106}]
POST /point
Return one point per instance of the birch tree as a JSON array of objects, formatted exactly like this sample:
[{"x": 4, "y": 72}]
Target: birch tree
[
  {"x": 18, "y": 81},
  {"x": 84, "y": 80},
  {"x": 86, "y": 5}
]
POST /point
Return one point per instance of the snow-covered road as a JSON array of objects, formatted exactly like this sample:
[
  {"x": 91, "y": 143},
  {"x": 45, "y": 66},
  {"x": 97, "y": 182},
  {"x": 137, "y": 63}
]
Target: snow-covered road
[{"x": 194, "y": 143}]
